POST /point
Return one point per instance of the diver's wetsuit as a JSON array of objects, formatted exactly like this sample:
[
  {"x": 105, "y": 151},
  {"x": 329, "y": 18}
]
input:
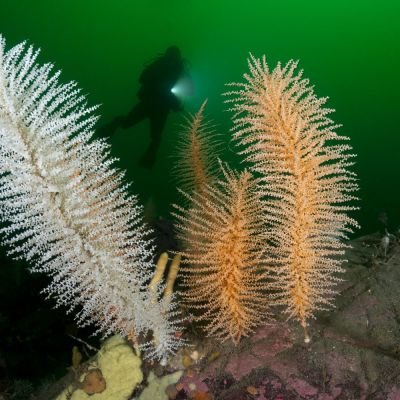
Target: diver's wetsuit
[{"x": 155, "y": 101}]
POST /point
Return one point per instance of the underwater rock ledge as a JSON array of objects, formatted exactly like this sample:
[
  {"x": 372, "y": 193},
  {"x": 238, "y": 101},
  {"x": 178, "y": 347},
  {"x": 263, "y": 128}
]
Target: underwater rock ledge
[{"x": 354, "y": 352}]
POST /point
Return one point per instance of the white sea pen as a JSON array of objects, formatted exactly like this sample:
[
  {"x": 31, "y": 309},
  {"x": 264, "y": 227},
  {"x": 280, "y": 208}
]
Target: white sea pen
[{"x": 64, "y": 207}]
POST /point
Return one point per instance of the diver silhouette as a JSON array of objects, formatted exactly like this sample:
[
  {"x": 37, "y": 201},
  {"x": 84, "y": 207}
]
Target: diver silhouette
[{"x": 156, "y": 100}]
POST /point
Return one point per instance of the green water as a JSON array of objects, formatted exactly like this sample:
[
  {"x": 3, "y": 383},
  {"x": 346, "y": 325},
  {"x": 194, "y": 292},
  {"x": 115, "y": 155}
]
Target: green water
[{"x": 349, "y": 49}]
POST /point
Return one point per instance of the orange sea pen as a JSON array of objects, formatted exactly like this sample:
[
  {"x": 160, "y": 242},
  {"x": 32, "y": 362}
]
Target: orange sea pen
[
  {"x": 222, "y": 262},
  {"x": 196, "y": 159},
  {"x": 286, "y": 135}
]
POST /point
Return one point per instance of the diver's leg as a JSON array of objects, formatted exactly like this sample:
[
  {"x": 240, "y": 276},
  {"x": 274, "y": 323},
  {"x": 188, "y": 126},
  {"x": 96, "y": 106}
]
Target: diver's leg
[{"x": 157, "y": 124}]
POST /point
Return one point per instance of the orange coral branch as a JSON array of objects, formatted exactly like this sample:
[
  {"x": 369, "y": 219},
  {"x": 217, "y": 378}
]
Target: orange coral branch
[
  {"x": 197, "y": 152},
  {"x": 286, "y": 135},
  {"x": 222, "y": 267}
]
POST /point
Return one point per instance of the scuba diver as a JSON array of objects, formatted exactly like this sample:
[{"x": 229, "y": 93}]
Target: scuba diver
[{"x": 156, "y": 100}]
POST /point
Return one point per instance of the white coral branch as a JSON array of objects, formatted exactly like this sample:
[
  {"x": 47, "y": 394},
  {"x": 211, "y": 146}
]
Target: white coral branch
[{"x": 65, "y": 207}]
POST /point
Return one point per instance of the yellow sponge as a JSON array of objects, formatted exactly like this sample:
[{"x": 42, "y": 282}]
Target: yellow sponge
[{"x": 117, "y": 365}]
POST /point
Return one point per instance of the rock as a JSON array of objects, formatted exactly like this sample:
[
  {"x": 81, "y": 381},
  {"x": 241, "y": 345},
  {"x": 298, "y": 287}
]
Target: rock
[
  {"x": 354, "y": 351},
  {"x": 156, "y": 388}
]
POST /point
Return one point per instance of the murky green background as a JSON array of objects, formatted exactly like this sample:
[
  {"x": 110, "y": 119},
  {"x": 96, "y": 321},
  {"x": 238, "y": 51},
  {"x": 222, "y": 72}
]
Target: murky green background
[{"x": 349, "y": 49}]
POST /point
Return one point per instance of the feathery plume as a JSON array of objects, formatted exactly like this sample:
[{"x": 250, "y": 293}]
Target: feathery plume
[
  {"x": 290, "y": 142},
  {"x": 66, "y": 208},
  {"x": 196, "y": 159},
  {"x": 222, "y": 261}
]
